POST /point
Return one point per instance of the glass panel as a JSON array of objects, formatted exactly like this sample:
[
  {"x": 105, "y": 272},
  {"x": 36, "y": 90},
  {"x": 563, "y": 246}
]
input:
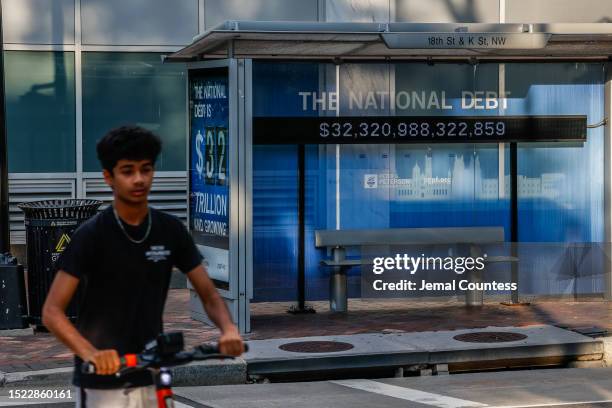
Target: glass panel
[
  {"x": 134, "y": 88},
  {"x": 154, "y": 22},
  {"x": 431, "y": 184},
  {"x": 40, "y": 107},
  {"x": 560, "y": 187},
  {"x": 364, "y": 91},
  {"x": 218, "y": 11},
  {"x": 275, "y": 184},
  {"x": 445, "y": 89},
  {"x": 418, "y": 185},
  {"x": 378, "y": 185},
  {"x": 38, "y": 22}
]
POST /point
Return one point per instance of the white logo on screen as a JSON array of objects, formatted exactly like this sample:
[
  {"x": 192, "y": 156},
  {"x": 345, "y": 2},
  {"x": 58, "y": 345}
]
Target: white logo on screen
[{"x": 370, "y": 181}]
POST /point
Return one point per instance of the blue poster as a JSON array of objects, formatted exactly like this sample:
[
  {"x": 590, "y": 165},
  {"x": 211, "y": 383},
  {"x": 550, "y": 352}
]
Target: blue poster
[
  {"x": 208, "y": 169},
  {"x": 428, "y": 185}
]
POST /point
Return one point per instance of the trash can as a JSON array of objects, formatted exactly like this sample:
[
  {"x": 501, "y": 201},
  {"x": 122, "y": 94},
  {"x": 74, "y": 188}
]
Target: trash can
[
  {"x": 13, "y": 308},
  {"x": 49, "y": 226}
]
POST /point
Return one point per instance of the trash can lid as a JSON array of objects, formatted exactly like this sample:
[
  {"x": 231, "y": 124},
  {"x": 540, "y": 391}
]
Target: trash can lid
[{"x": 68, "y": 208}]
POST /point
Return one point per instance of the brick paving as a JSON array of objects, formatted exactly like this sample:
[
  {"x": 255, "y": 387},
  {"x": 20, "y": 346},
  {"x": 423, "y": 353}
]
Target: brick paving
[{"x": 270, "y": 320}]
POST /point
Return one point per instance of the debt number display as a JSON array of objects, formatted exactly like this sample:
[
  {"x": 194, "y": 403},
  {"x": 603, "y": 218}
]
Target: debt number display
[
  {"x": 411, "y": 129},
  {"x": 211, "y": 149}
]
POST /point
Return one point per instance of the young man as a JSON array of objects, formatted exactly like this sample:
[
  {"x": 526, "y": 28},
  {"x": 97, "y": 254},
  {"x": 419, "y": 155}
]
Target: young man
[{"x": 123, "y": 258}]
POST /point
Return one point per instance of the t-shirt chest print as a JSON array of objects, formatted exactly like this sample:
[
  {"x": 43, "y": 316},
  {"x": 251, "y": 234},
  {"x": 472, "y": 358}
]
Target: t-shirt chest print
[{"x": 157, "y": 253}]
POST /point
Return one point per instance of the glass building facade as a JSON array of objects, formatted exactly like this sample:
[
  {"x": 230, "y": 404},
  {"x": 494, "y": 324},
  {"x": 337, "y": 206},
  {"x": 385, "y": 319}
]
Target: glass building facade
[
  {"x": 135, "y": 88},
  {"x": 117, "y": 89}
]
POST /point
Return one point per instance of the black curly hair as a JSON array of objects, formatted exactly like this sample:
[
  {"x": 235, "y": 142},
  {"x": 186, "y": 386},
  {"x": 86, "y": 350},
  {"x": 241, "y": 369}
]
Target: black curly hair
[{"x": 127, "y": 142}]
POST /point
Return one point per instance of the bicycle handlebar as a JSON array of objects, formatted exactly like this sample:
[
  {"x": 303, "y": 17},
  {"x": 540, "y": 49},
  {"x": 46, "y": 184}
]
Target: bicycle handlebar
[{"x": 131, "y": 362}]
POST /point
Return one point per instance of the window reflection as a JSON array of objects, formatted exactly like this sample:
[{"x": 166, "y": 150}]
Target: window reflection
[
  {"x": 134, "y": 88},
  {"x": 40, "y": 107}
]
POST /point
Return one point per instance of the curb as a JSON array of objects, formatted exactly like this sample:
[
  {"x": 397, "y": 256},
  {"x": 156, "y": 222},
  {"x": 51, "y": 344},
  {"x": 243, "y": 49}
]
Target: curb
[
  {"x": 607, "y": 350},
  {"x": 17, "y": 332},
  {"x": 213, "y": 372},
  {"x": 543, "y": 346},
  {"x": 37, "y": 377},
  {"x": 456, "y": 360}
]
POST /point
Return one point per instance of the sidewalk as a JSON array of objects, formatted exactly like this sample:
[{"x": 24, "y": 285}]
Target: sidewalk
[{"x": 270, "y": 321}]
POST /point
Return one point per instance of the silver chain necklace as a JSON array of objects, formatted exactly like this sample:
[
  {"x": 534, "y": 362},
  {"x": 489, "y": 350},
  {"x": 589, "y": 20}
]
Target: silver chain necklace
[{"x": 126, "y": 233}]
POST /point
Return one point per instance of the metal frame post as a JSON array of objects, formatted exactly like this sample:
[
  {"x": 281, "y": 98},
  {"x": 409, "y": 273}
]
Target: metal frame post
[
  {"x": 514, "y": 233},
  {"x": 608, "y": 185},
  {"x": 301, "y": 307},
  {"x": 247, "y": 199},
  {"x": 5, "y": 245}
]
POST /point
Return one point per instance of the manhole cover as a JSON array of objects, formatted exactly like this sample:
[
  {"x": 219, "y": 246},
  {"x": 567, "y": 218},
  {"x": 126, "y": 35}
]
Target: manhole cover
[
  {"x": 489, "y": 337},
  {"x": 316, "y": 346}
]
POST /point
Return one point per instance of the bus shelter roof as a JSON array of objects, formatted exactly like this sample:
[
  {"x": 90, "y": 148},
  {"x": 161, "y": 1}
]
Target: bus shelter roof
[{"x": 347, "y": 40}]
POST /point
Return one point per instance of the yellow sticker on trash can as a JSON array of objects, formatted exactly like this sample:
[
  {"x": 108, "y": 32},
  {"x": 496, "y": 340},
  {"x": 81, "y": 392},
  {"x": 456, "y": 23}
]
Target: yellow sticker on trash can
[{"x": 61, "y": 244}]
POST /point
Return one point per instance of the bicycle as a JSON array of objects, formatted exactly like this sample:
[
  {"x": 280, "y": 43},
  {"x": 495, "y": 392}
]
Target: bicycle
[{"x": 167, "y": 350}]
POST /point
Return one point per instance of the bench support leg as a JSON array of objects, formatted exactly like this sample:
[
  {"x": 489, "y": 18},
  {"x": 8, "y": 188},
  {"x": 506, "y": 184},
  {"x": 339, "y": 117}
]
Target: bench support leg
[
  {"x": 338, "y": 291},
  {"x": 474, "y": 297}
]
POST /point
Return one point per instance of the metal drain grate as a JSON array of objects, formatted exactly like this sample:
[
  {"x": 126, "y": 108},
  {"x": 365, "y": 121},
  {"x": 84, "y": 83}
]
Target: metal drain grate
[
  {"x": 316, "y": 346},
  {"x": 489, "y": 337}
]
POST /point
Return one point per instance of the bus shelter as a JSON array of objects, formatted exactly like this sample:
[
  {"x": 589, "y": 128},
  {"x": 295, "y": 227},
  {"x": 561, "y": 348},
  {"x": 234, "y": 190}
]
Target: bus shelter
[{"x": 300, "y": 128}]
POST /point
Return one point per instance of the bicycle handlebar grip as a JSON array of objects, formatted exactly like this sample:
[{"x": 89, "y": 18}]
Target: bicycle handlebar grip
[
  {"x": 128, "y": 360},
  {"x": 209, "y": 348}
]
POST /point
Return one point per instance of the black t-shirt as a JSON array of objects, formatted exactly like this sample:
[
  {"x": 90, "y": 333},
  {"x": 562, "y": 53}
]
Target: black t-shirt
[{"x": 124, "y": 284}]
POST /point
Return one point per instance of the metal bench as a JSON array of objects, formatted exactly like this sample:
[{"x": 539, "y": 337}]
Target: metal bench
[{"x": 339, "y": 240}]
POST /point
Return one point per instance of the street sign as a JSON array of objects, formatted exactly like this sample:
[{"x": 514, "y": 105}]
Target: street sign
[{"x": 464, "y": 40}]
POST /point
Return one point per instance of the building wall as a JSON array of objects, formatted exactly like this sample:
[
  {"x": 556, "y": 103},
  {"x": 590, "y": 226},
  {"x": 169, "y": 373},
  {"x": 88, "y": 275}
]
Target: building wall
[
  {"x": 138, "y": 22},
  {"x": 558, "y": 11},
  {"x": 159, "y": 22},
  {"x": 76, "y": 67},
  {"x": 456, "y": 11}
]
